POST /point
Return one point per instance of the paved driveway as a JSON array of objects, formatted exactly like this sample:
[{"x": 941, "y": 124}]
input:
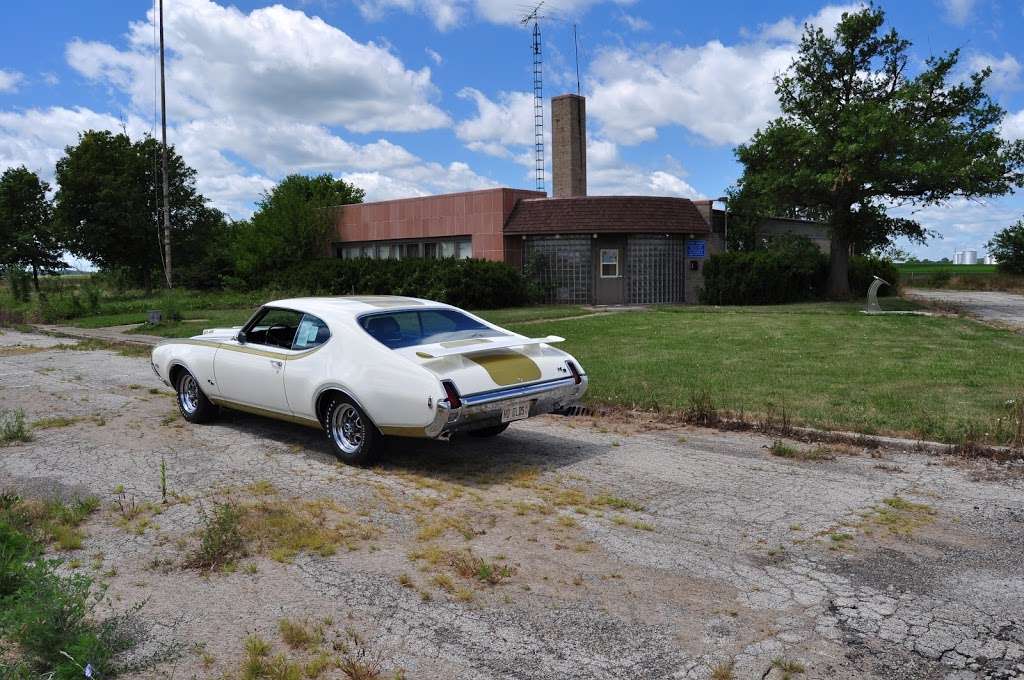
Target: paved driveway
[
  {"x": 1002, "y": 308},
  {"x": 632, "y": 553}
]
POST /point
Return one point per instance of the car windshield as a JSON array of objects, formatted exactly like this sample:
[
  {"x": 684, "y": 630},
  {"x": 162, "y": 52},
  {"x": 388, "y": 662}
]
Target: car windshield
[{"x": 407, "y": 329}]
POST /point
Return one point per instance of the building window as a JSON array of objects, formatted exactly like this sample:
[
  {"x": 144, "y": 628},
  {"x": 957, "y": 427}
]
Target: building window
[
  {"x": 609, "y": 263},
  {"x": 457, "y": 247}
]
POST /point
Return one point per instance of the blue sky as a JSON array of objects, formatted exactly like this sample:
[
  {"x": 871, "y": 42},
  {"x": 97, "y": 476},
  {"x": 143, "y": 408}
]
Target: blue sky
[{"x": 408, "y": 97}]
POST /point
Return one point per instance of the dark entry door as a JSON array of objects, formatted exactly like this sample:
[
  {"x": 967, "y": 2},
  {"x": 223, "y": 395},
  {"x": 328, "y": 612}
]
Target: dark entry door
[{"x": 609, "y": 270}]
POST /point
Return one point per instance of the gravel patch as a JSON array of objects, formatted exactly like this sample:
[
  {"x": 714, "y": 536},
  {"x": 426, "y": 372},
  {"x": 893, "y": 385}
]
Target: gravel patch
[{"x": 647, "y": 554}]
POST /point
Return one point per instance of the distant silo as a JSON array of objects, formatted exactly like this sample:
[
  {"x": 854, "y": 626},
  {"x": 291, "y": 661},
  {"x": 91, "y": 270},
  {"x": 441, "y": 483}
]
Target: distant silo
[{"x": 970, "y": 257}]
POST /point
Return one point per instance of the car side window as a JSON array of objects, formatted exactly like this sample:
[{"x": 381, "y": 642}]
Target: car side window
[
  {"x": 274, "y": 327},
  {"x": 312, "y": 332}
]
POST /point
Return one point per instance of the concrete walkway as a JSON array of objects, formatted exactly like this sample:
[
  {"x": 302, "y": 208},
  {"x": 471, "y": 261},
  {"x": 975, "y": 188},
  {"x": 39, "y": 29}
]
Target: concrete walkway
[
  {"x": 1006, "y": 309},
  {"x": 107, "y": 333}
]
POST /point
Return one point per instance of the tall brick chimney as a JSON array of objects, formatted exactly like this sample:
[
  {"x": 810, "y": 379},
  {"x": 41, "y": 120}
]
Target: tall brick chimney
[{"x": 569, "y": 145}]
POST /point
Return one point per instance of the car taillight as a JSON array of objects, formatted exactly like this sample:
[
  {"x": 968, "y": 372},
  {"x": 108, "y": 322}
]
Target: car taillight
[
  {"x": 454, "y": 400},
  {"x": 575, "y": 372}
]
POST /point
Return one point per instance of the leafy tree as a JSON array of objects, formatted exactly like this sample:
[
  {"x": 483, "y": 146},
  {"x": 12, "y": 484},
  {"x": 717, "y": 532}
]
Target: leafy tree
[
  {"x": 109, "y": 198},
  {"x": 292, "y": 223},
  {"x": 28, "y": 236},
  {"x": 858, "y": 135},
  {"x": 1008, "y": 248}
]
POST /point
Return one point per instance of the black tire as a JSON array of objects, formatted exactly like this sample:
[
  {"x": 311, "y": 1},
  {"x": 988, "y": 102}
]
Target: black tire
[
  {"x": 492, "y": 431},
  {"x": 192, "y": 402},
  {"x": 353, "y": 436}
]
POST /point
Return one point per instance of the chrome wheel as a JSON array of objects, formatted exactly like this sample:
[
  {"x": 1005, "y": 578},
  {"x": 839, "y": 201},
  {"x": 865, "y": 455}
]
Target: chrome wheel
[
  {"x": 348, "y": 428},
  {"x": 188, "y": 394}
]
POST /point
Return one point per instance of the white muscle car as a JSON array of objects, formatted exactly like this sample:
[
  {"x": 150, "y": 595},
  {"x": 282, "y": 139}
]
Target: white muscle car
[{"x": 363, "y": 367}]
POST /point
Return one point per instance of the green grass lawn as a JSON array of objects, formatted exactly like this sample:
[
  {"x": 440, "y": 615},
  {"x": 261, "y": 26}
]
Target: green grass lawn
[
  {"x": 943, "y": 267},
  {"x": 824, "y": 365},
  {"x": 196, "y": 320}
]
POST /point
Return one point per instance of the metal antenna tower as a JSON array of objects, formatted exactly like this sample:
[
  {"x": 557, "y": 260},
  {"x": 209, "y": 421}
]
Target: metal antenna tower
[{"x": 538, "y": 96}]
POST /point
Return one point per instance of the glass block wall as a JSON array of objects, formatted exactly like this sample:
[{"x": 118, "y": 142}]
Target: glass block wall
[
  {"x": 562, "y": 266},
  {"x": 655, "y": 267}
]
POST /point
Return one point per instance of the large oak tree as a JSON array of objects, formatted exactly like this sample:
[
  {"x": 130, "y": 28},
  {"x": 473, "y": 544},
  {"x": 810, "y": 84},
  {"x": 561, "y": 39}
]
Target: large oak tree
[
  {"x": 859, "y": 135},
  {"x": 28, "y": 236},
  {"x": 109, "y": 198}
]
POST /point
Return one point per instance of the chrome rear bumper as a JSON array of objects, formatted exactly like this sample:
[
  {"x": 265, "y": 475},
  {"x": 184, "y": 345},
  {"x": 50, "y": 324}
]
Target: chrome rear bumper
[{"x": 484, "y": 408}]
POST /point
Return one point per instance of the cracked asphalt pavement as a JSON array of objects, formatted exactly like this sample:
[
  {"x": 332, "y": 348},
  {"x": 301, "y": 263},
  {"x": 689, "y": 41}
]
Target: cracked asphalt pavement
[{"x": 634, "y": 551}]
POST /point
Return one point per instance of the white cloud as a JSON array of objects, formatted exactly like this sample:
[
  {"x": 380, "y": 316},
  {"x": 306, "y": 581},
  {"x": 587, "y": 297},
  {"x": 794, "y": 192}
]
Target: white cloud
[
  {"x": 958, "y": 12},
  {"x": 9, "y": 80},
  {"x": 51, "y": 78},
  {"x": 1006, "y": 70},
  {"x": 720, "y": 92},
  {"x": 36, "y": 138},
  {"x": 434, "y": 56},
  {"x": 1013, "y": 126},
  {"x": 270, "y": 62},
  {"x": 252, "y": 97},
  {"x": 504, "y": 128},
  {"x": 789, "y": 29},
  {"x": 447, "y": 14},
  {"x": 961, "y": 224},
  {"x": 608, "y": 175},
  {"x": 497, "y": 124},
  {"x": 635, "y": 23},
  {"x": 419, "y": 180}
]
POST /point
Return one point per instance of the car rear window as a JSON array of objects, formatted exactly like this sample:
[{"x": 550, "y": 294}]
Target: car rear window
[{"x": 408, "y": 329}]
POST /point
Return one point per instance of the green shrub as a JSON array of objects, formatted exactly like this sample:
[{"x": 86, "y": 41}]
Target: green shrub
[
  {"x": 13, "y": 427},
  {"x": 863, "y": 269},
  {"x": 791, "y": 269},
  {"x": 15, "y": 550},
  {"x": 58, "y": 306},
  {"x": 19, "y": 282},
  {"x": 90, "y": 297},
  {"x": 1008, "y": 248},
  {"x": 50, "y": 613},
  {"x": 171, "y": 304},
  {"x": 474, "y": 284},
  {"x": 47, "y": 616},
  {"x": 220, "y": 539}
]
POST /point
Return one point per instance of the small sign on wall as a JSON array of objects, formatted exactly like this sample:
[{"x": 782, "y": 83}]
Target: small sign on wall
[{"x": 696, "y": 248}]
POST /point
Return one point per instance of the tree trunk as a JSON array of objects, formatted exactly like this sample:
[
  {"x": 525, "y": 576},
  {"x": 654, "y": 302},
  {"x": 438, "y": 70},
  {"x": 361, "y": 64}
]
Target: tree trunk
[
  {"x": 838, "y": 287},
  {"x": 35, "y": 278}
]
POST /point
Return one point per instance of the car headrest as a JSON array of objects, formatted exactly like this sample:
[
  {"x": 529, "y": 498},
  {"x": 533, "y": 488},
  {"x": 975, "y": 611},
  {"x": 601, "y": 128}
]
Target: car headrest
[
  {"x": 384, "y": 328},
  {"x": 322, "y": 334}
]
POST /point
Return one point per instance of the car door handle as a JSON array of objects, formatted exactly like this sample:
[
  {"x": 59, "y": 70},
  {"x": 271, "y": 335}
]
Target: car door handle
[{"x": 276, "y": 364}]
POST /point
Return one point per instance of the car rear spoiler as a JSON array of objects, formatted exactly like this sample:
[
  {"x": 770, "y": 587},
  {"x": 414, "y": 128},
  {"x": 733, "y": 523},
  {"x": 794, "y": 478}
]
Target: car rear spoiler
[{"x": 479, "y": 345}]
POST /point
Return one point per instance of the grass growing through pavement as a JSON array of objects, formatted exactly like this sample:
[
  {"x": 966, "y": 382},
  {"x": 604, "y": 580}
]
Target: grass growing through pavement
[
  {"x": 824, "y": 365},
  {"x": 13, "y": 427}
]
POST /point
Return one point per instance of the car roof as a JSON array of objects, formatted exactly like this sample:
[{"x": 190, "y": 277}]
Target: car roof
[{"x": 353, "y": 305}]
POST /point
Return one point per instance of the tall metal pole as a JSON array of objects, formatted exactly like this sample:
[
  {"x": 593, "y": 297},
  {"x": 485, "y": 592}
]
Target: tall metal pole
[
  {"x": 576, "y": 47},
  {"x": 163, "y": 158}
]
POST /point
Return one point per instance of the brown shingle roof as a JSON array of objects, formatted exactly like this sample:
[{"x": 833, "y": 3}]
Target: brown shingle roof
[{"x": 633, "y": 214}]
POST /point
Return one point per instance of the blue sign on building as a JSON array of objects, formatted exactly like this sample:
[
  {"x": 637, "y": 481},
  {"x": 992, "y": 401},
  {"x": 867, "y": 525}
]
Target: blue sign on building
[{"x": 695, "y": 248}]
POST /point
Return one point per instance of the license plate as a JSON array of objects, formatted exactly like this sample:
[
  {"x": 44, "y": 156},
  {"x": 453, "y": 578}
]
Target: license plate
[{"x": 515, "y": 412}]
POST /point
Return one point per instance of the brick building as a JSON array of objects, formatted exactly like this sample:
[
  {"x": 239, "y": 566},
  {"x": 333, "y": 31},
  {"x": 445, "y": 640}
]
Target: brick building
[{"x": 582, "y": 249}]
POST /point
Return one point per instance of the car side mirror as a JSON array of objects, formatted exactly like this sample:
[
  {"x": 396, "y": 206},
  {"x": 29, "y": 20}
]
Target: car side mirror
[{"x": 240, "y": 337}]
